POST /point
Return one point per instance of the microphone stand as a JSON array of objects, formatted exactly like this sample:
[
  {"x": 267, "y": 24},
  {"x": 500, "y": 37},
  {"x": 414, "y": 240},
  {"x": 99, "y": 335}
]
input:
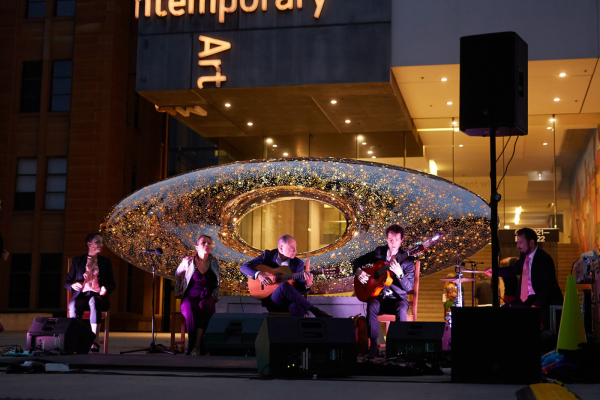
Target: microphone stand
[{"x": 154, "y": 348}]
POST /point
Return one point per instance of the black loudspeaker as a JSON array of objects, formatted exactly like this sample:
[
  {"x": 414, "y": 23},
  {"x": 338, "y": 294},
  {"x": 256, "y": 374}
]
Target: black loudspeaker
[
  {"x": 493, "y": 84},
  {"x": 496, "y": 345},
  {"x": 233, "y": 334},
  {"x": 414, "y": 338},
  {"x": 288, "y": 347},
  {"x": 64, "y": 335}
]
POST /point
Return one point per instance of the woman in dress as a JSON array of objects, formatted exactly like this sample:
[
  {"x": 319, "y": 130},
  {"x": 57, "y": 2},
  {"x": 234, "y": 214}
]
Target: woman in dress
[{"x": 197, "y": 285}]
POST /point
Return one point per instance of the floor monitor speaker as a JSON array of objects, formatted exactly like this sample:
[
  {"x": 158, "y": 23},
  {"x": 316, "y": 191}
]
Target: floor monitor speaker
[
  {"x": 233, "y": 334},
  {"x": 414, "y": 338},
  {"x": 493, "y": 84},
  {"x": 496, "y": 345},
  {"x": 296, "y": 347},
  {"x": 63, "y": 335}
]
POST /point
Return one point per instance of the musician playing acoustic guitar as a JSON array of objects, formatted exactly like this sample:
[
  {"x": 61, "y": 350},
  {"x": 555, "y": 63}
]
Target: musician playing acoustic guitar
[
  {"x": 286, "y": 298},
  {"x": 393, "y": 299}
]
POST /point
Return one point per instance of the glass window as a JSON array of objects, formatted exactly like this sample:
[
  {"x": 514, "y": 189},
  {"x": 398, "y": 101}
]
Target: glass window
[
  {"x": 64, "y": 8},
  {"x": 36, "y": 9},
  {"x": 31, "y": 86},
  {"x": 188, "y": 150},
  {"x": 26, "y": 180},
  {"x": 50, "y": 280},
  {"x": 60, "y": 99},
  {"x": 56, "y": 183},
  {"x": 20, "y": 281}
]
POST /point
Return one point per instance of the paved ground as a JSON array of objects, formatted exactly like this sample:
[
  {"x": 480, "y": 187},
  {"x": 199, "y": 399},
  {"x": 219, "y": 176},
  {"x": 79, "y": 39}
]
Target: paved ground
[{"x": 219, "y": 384}]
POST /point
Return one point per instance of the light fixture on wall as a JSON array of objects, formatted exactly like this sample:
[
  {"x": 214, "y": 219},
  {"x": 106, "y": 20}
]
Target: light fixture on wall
[{"x": 518, "y": 215}]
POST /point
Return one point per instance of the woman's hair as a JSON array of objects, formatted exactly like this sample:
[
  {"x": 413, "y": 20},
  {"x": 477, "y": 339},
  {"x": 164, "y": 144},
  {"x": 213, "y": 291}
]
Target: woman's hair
[
  {"x": 90, "y": 236},
  {"x": 204, "y": 236}
]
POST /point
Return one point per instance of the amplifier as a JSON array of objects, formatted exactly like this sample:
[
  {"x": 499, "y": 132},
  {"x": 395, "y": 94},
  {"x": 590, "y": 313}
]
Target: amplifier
[{"x": 63, "y": 335}]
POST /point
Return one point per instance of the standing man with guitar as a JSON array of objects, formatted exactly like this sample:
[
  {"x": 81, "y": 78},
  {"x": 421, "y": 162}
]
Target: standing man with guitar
[
  {"x": 393, "y": 298},
  {"x": 286, "y": 298}
]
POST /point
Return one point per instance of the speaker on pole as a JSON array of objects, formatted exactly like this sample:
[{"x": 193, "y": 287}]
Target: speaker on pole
[
  {"x": 62, "y": 335},
  {"x": 233, "y": 334},
  {"x": 288, "y": 347},
  {"x": 493, "y": 84}
]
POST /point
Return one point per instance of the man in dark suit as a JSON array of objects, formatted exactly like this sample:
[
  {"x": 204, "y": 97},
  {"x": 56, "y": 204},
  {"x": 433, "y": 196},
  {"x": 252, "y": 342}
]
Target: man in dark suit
[
  {"x": 537, "y": 286},
  {"x": 393, "y": 299},
  {"x": 90, "y": 280},
  {"x": 286, "y": 298}
]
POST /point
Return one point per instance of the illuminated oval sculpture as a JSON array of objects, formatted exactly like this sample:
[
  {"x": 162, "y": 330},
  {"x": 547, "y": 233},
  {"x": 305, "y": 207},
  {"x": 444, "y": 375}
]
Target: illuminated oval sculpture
[{"x": 172, "y": 213}]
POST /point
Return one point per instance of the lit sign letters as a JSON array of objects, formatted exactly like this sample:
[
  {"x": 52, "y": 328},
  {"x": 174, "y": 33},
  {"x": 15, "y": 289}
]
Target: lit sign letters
[
  {"x": 177, "y": 7},
  {"x": 221, "y": 45}
]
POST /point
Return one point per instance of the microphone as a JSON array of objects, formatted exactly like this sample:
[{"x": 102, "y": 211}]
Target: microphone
[{"x": 158, "y": 251}]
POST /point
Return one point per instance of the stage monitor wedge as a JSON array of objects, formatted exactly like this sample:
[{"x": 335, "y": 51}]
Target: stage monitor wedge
[
  {"x": 493, "y": 84},
  {"x": 62, "y": 335},
  {"x": 406, "y": 339},
  {"x": 233, "y": 334},
  {"x": 301, "y": 347}
]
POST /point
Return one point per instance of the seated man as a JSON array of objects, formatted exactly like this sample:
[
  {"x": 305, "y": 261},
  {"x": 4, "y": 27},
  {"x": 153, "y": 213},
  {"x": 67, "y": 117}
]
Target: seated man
[
  {"x": 286, "y": 298},
  {"x": 537, "y": 286},
  {"x": 393, "y": 299}
]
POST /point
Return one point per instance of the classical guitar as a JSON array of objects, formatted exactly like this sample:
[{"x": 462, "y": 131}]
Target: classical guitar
[
  {"x": 280, "y": 275},
  {"x": 379, "y": 274}
]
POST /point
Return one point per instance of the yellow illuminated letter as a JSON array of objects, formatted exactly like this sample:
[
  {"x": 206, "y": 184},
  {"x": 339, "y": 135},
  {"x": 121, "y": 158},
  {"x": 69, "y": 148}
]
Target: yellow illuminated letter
[
  {"x": 213, "y": 6},
  {"x": 289, "y": 4},
  {"x": 158, "y": 9},
  {"x": 221, "y": 46},
  {"x": 147, "y": 8},
  {"x": 299, "y": 4},
  {"x": 177, "y": 3},
  {"x": 191, "y": 7},
  {"x": 264, "y": 5},
  {"x": 217, "y": 78},
  {"x": 252, "y": 8},
  {"x": 228, "y": 10},
  {"x": 319, "y": 7}
]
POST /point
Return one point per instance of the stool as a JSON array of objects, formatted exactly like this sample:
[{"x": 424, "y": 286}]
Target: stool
[{"x": 174, "y": 316}]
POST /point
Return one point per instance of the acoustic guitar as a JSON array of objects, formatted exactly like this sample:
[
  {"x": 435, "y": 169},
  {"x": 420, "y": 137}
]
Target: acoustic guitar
[
  {"x": 380, "y": 276},
  {"x": 280, "y": 275}
]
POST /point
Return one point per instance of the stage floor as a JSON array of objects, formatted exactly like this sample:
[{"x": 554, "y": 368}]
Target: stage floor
[{"x": 133, "y": 376}]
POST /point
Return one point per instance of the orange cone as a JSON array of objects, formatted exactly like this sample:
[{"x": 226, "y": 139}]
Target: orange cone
[{"x": 572, "y": 330}]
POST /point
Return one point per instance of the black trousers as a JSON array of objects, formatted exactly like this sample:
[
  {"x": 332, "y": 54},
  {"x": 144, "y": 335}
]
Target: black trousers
[
  {"x": 380, "y": 306},
  {"x": 89, "y": 301}
]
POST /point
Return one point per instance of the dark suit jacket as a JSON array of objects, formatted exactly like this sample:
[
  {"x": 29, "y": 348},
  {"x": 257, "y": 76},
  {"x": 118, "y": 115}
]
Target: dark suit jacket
[
  {"x": 400, "y": 287},
  {"x": 269, "y": 258},
  {"x": 543, "y": 278},
  {"x": 105, "y": 275}
]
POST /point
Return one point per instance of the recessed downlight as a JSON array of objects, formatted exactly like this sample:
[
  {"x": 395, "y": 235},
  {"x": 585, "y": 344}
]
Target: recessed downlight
[
  {"x": 250, "y": 124},
  {"x": 562, "y": 74},
  {"x": 549, "y": 127},
  {"x": 373, "y": 157},
  {"x": 444, "y": 79},
  {"x": 359, "y": 138},
  {"x": 274, "y": 145},
  {"x": 369, "y": 152},
  {"x": 269, "y": 140},
  {"x": 545, "y": 144},
  {"x": 285, "y": 154},
  {"x": 556, "y": 99},
  {"x": 347, "y": 121},
  {"x": 227, "y": 105},
  {"x": 364, "y": 143},
  {"x": 333, "y": 101},
  {"x": 449, "y": 103},
  {"x": 460, "y": 145}
]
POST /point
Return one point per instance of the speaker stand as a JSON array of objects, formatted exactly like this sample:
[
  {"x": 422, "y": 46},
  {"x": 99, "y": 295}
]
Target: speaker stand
[{"x": 494, "y": 199}]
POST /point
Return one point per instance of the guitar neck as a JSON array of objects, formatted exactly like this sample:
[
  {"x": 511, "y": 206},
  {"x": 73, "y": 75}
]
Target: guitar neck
[{"x": 297, "y": 275}]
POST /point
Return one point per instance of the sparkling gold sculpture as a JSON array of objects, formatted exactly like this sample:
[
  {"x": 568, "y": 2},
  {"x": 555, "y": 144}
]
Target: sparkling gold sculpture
[{"x": 172, "y": 213}]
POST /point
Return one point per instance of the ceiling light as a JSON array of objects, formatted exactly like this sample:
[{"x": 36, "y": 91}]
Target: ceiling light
[
  {"x": 552, "y": 119},
  {"x": 333, "y": 101},
  {"x": 269, "y": 140},
  {"x": 250, "y": 124},
  {"x": 455, "y": 129},
  {"x": 373, "y": 157},
  {"x": 453, "y": 122},
  {"x": 518, "y": 215},
  {"x": 369, "y": 152},
  {"x": 545, "y": 144},
  {"x": 432, "y": 167},
  {"x": 227, "y": 105},
  {"x": 506, "y": 226},
  {"x": 285, "y": 154},
  {"x": 549, "y": 127},
  {"x": 460, "y": 145},
  {"x": 444, "y": 79},
  {"x": 562, "y": 74},
  {"x": 556, "y": 99},
  {"x": 449, "y": 103},
  {"x": 539, "y": 177},
  {"x": 359, "y": 138},
  {"x": 364, "y": 143},
  {"x": 347, "y": 121},
  {"x": 274, "y": 145}
]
